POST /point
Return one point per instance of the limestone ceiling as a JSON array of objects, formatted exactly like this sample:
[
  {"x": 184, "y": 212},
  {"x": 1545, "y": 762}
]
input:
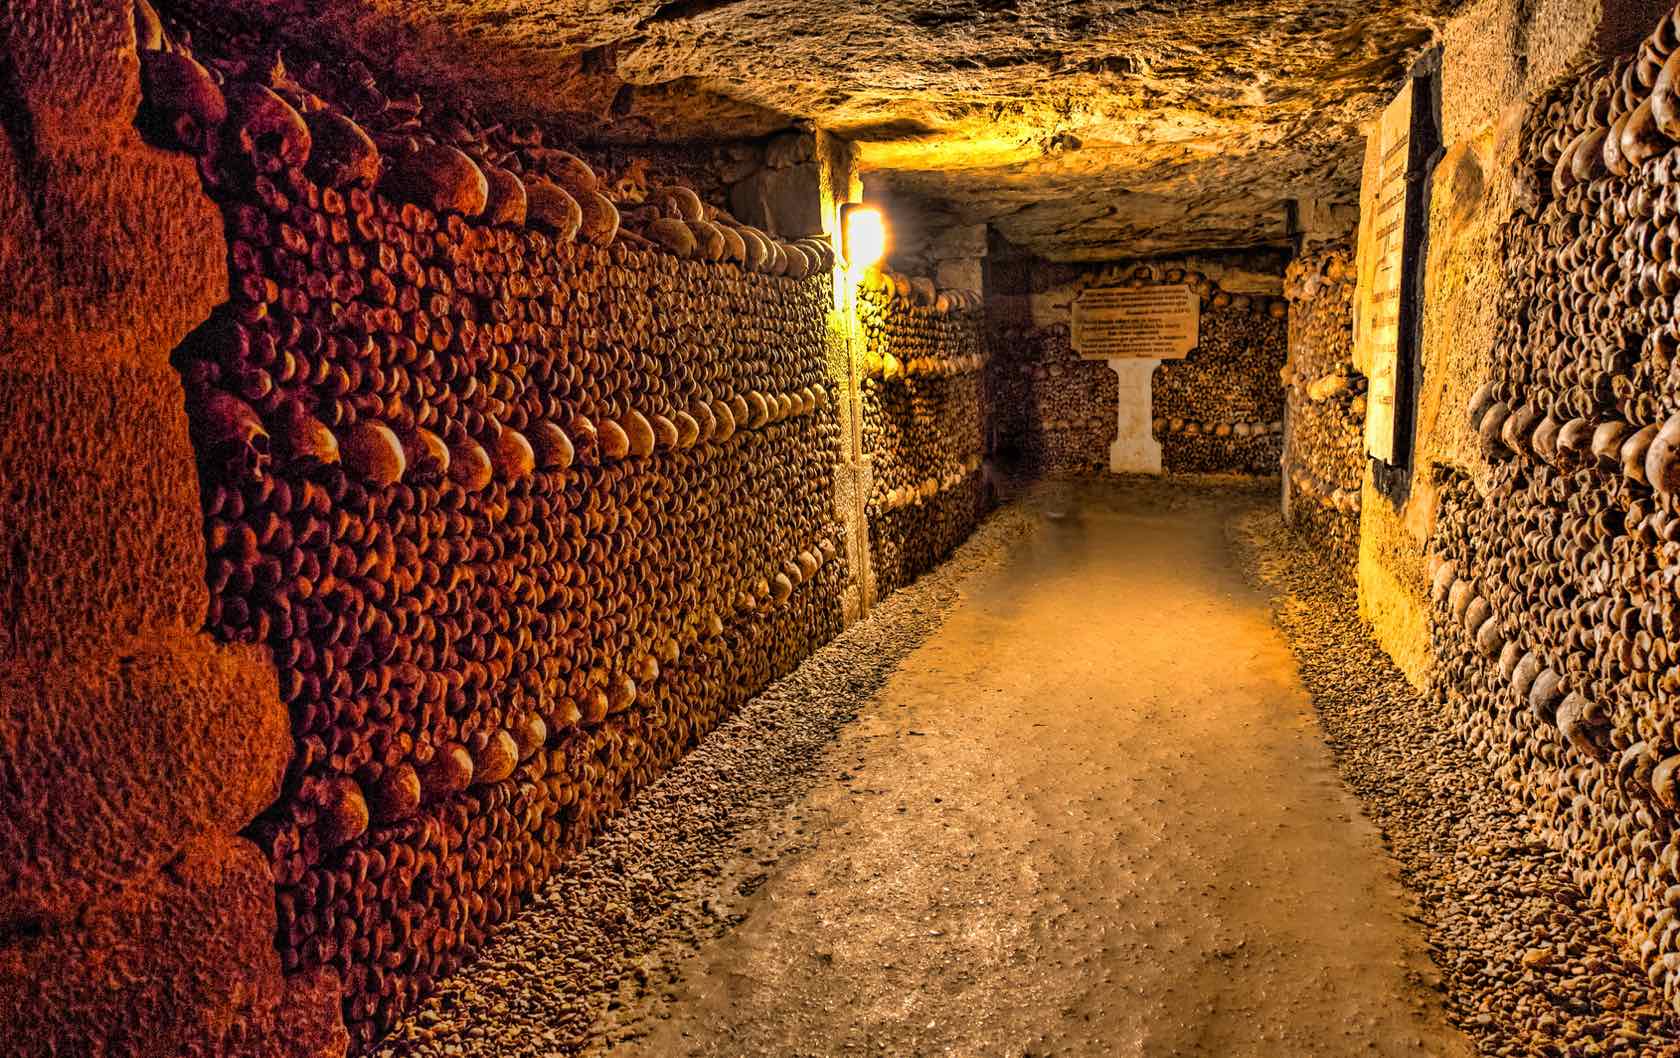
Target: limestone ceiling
[{"x": 1084, "y": 129}]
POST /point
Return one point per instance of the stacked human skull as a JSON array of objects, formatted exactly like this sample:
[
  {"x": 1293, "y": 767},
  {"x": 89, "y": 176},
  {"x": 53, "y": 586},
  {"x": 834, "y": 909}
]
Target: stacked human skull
[
  {"x": 1555, "y": 614},
  {"x": 924, "y": 422},
  {"x": 1323, "y": 456},
  {"x": 1054, "y": 408},
  {"x": 524, "y": 476},
  {"x": 1220, "y": 409}
]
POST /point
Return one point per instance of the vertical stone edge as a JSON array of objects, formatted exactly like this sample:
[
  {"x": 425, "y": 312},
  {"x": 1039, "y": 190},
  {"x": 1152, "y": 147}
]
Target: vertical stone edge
[
  {"x": 134, "y": 918},
  {"x": 838, "y": 182}
]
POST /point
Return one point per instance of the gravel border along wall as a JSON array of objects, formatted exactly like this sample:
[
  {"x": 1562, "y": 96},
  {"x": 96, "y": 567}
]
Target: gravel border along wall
[{"x": 1528, "y": 966}]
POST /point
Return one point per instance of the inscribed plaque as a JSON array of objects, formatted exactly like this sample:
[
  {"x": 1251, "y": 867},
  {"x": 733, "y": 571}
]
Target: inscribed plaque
[
  {"x": 1149, "y": 323},
  {"x": 1382, "y": 248}
]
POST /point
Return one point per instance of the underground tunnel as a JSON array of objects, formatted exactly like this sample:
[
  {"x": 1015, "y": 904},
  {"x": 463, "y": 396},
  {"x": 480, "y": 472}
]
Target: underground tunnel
[{"x": 743, "y": 527}]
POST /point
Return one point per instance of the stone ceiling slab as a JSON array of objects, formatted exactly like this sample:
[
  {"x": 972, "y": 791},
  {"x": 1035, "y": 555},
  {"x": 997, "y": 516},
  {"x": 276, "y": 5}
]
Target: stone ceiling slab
[{"x": 1082, "y": 128}]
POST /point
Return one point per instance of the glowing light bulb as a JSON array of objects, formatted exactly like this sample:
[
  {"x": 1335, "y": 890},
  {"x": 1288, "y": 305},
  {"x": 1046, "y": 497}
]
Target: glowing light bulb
[{"x": 865, "y": 234}]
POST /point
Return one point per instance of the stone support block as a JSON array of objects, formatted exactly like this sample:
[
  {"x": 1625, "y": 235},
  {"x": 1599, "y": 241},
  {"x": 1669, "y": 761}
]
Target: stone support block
[
  {"x": 784, "y": 202},
  {"x": 182, "y": 962},
  {"x": 133, "y": 747}
]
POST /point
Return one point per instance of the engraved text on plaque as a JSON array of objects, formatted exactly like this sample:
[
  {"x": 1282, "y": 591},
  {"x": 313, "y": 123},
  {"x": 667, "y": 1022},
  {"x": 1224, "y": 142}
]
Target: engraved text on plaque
[
  {"x": 1148, "y": 323},
  {"x": 1382, "y": 244}
]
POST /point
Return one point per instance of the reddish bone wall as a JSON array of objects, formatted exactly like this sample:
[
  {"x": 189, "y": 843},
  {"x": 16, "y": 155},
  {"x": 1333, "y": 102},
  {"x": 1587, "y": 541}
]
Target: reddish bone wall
[
  {"x": 217, "y": 677},
  {"x": 522, "y": 652}
]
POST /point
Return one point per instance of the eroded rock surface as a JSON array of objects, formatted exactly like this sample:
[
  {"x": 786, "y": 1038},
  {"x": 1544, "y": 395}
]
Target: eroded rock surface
[{"x": 1082, "y": 129}]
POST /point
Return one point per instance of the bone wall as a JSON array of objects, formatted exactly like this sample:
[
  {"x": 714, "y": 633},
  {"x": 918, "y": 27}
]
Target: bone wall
[
  {"x": 1055, "y": 412},
  {"x": 1324, "y": 424},
  {"x": 1218, "y": 410},
  {"x": 514, "y": 475},
  {"x": 1553, "y": 613},
  {"x": 1497, "y": 57},
  {"x": 924, "y": 423}
]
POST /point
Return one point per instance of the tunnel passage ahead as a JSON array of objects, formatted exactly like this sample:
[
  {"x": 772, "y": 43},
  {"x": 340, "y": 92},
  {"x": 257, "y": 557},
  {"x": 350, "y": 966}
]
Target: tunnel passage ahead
[{"x": 1092, "y": 814}]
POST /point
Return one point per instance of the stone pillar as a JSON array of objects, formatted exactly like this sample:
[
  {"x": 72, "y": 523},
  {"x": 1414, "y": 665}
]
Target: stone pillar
[
  {"x": 133, "y": 918},
  {"x": 958, "y": 254},
  {"x": 838, "y": 182},
  {"x": 1135, "y": 450},
  {"x": 1315, "y": 220}
]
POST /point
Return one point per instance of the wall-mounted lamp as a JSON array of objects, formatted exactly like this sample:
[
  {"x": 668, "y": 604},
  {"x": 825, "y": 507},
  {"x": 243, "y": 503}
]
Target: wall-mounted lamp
[{"x": 864, "y": 235}]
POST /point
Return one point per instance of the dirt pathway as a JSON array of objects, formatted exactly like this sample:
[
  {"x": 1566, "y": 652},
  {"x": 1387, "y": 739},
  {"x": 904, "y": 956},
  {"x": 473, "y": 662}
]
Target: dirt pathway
[{"x": 1091, "y": 815}]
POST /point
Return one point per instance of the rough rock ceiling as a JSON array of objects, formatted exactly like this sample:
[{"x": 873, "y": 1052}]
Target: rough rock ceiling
[{"x": 1084, "y": 129}]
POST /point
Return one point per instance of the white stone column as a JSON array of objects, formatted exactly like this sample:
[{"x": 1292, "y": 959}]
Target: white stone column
[{"x": 1135, "y": 450}]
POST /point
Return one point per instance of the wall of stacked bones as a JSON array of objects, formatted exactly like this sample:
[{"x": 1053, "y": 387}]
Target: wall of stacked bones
[
  {"x": 1220, "y": 409},
  {"x": 525, "y": 476},
  {"x": 924, "y": 422},
  {"x": 1007, "y": 276},
  {"x": 1054, "y": 412},
  {"x": 1324, "y": 423},
  {"x": 1554, "y": 611}
]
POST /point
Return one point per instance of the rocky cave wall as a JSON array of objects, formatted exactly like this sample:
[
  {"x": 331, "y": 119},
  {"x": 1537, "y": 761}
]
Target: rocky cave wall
[
  {"x": 1553, "y": 609},
  {"x": 1324, "y": 421},
  {"x": 925, "y": 423},
  {"x": 135, "y": 917},
  {"x": 457, "y": 485},
  {"x": 1218, "y": 410}
]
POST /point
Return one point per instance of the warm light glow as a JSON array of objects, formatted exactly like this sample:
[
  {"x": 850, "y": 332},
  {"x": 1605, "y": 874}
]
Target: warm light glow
[{"x": 865, "y": 235}]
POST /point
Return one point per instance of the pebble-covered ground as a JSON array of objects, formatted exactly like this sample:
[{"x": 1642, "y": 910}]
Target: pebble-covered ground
[
  {"x": 1089, "y": 817},
  {"x": 668, "y": 872},
  {"x": 1528, "y": 964}
]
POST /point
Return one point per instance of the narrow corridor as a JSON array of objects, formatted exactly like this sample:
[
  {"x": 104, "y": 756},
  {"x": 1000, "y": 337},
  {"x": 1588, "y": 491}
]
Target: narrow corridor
[
  {"x": 765, "y": 530},
  {"x": 1091, "y": 815}
]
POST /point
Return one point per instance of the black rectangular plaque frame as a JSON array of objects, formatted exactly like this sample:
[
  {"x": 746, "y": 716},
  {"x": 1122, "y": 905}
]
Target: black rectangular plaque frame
[{"x": 1394, "y": 479}]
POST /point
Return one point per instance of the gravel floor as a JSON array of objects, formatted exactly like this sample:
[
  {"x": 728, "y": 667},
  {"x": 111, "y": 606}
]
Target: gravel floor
[
  {"x": 1528, "y": 964},
  {"x": 1089, "y": 817},
  {"x": 692, "y": 845}
]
